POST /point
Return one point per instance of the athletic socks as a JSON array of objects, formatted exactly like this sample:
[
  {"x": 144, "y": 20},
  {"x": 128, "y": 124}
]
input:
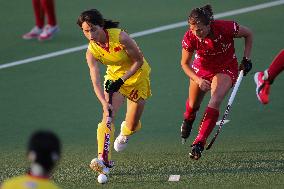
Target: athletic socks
[
  {"x": 207, "y": 125},
  {"x": 39, "y": 14},
  {"x": 48, "y": 6},
  {"x": 190, "y": 113},
  {"x": 105, "y": 138},
  {"x": 42, "y": 8},
  {"x": 125, "y": 131},
  {"x": 276, "y": 66}
]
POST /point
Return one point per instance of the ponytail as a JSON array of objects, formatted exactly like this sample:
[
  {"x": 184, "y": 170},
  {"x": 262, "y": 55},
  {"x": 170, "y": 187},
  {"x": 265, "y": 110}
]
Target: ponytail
[
  {"x": 203, "y": 14},
  {"x": 110, "y": 24}
]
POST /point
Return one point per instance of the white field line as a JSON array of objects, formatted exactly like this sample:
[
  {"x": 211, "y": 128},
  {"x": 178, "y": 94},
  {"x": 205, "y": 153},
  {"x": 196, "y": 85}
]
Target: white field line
[
  {"x": 219, "y": 122},
  {"x": 174, "y": 178},
  {"x": 143, "y": 33}
]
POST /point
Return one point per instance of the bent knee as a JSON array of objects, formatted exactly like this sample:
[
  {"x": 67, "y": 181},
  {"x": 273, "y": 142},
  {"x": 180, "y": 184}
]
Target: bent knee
[{"x": 215, "y": 101}]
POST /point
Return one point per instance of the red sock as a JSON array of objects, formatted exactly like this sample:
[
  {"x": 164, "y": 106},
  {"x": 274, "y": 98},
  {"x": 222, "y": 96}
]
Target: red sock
[
  {"x": 207, "y": 125},
  {"x": 276, "y": 66},
  {"x": 39, "y": 15},
  {"x": 190, "y": 113},
  {"x": 48, "y": 6}
]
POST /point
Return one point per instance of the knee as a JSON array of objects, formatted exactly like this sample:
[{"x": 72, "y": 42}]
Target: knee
[{"x": 215, "y": 101}]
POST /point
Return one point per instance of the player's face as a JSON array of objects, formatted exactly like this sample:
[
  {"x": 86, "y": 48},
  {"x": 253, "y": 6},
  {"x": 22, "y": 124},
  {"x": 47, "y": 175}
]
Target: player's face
[
  {"x": 92, "y": 32},
  {"x": 200, "y": 30}
]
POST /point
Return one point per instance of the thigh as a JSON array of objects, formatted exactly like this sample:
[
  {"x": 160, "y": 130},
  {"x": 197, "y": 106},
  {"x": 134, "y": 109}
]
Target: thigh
[
  {"x": 134, "y": 112},
  {"x": 221, "y": 84},
  {"x": 117, "y": 101},
  {"x": 196, "y": 95}
]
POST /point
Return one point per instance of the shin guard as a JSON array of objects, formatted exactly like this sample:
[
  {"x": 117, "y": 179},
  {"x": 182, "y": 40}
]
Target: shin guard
[
  {"x": 207, "y": 125},
  {"x": 126, "y": 131},
  {"x": 105, "y": 138}
]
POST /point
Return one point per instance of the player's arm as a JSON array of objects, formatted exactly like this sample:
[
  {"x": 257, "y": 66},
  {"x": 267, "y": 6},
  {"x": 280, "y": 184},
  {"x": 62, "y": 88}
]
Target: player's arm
[
  {"x": 95, "y": 77},
  {"x": 133, "y": 52},
  {"x": 247, "y": 34},
  {"x": 186, "y": 61}
]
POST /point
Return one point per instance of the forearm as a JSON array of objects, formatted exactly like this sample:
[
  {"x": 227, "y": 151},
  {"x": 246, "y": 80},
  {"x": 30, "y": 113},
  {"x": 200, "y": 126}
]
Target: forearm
[
  {"x": 248, "y": 46},
  {"x": 98, "y": 89},
  {"x": 133, "y": 69},
  {"x": 190, "y": 72}
]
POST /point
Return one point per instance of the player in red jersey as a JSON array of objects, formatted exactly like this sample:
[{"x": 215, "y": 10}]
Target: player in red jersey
[
  {"x": 265, "y": 78},
  {"x": 214, "y": 68},
  {"x": 40, "y": 31}
]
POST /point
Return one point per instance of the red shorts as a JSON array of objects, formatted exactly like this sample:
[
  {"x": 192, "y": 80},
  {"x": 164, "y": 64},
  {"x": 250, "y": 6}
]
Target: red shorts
[{"x": 229, "y": 68}]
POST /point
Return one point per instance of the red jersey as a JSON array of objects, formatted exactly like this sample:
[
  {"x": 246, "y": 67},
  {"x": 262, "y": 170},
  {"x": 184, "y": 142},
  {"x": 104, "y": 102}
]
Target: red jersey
[{"x": 214, "y": 51}]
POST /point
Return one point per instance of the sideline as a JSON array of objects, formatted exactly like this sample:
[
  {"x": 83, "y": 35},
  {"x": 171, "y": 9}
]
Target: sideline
[{"x": 143, "y": 33}]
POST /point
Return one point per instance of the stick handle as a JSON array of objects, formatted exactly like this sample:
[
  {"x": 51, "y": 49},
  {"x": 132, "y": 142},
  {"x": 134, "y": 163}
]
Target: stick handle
[
  {"x": 109, "y": 117},
  {"x": 231, "y": 99},
  {"x": 236, "y": 87}
]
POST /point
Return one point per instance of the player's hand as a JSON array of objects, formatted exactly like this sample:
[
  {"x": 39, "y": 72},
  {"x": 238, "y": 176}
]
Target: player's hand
[
  {"x": 204, "y": 84},
  {"x": 113, "y": 86},
  {"x": 106, "y": 108},
  {"x": 245, "y": 65}
]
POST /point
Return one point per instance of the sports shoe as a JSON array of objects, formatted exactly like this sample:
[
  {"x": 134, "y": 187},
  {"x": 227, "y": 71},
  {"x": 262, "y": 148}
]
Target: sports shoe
[
  {"x": 120, "y": 143},
  {"x": 186, "y": 128},
  {"x": 34, "y": 33},
  {"x": 100, "y": 166},
  {"x": 196, "y": 151},
  {"x": 262, "y": 86},
  {"x": 48, "y": 32}
]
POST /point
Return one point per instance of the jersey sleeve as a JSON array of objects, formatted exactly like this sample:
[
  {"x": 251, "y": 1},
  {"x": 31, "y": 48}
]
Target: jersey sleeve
[
  {"x": 188, "y": 42},
  {"x": 231, "y": 28}
]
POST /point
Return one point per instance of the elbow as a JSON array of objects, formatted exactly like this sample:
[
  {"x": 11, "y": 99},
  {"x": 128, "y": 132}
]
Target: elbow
[
  {"x": 249, "y": 34},
  {"x": 140, "y": 62}
]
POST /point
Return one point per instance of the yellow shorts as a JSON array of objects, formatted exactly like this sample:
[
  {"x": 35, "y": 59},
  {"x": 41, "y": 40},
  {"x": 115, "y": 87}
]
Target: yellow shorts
[{"x": 135, "y": 88}]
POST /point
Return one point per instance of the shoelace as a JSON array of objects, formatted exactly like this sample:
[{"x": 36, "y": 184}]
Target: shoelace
[
  {"x": 122, "y": 139},
  {"x": 46, "y": 30}
]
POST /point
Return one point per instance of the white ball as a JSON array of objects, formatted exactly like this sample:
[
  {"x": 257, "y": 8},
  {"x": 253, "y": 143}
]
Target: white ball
[{"x": 102, "y": 178}]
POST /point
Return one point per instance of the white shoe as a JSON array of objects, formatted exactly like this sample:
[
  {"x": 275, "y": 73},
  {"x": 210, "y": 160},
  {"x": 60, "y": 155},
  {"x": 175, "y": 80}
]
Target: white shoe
[
  {"x": 34, "y": 33},
  {"x": 99, "y": 166},
  {"x": 120, "y": 143},
  {"x": 48, "y": 32}
]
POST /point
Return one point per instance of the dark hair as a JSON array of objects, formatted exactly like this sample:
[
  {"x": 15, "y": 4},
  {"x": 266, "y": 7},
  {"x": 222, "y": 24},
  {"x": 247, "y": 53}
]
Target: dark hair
[
  {"x": 47, "y": 148},
  {"x": 202, "y": 14},
  {"x": 94, "y": 17}
]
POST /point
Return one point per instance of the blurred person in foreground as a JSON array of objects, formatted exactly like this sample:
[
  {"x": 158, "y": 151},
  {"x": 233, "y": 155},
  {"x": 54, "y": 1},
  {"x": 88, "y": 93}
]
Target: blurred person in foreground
[
  {"x": 214, "y": 68},
  {"x": 43, "y": 152},
  {"x": 127, "y": 78},
  {"x": 264, "y": 79},
  {"x": 42, "y": 32}
]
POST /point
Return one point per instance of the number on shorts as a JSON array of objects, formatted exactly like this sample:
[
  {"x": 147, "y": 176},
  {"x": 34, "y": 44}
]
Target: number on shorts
[{"x": 133, "y": 94}]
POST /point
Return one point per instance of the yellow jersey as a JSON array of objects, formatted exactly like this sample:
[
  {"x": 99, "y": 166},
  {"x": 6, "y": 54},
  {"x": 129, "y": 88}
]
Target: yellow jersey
[
  {"x": 28, "y": 182},
  {"x": 116, "y": 59}
]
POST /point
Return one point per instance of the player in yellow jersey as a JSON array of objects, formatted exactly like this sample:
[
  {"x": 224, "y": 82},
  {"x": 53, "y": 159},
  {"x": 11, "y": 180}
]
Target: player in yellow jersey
[
  {"x": 43, "y": 152},
  {"x": 127, "y": 77}
]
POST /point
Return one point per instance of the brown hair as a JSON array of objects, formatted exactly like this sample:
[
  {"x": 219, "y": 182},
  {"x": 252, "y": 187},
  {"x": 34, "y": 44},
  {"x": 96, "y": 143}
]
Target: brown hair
[
  {"x": 94, "y": 17},
  {"x": 202, "y": 15}
]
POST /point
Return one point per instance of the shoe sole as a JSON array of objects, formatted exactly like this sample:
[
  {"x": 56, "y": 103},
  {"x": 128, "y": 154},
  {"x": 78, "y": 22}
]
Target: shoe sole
[{"x": 256, "y": 90}]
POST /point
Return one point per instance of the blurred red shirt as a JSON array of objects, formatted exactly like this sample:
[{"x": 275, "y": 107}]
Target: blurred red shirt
[{"x": 216, "y": 51}]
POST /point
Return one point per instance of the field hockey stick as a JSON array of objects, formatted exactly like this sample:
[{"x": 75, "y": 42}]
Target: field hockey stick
[
  {"x": 107, "y": 136},
  {"x": 109, "y": 117},
  {"x": 231, "y": 99}
]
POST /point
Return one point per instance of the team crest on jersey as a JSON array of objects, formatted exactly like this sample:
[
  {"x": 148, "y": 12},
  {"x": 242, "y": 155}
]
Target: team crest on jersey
[{"x": 116, "y": 49}]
